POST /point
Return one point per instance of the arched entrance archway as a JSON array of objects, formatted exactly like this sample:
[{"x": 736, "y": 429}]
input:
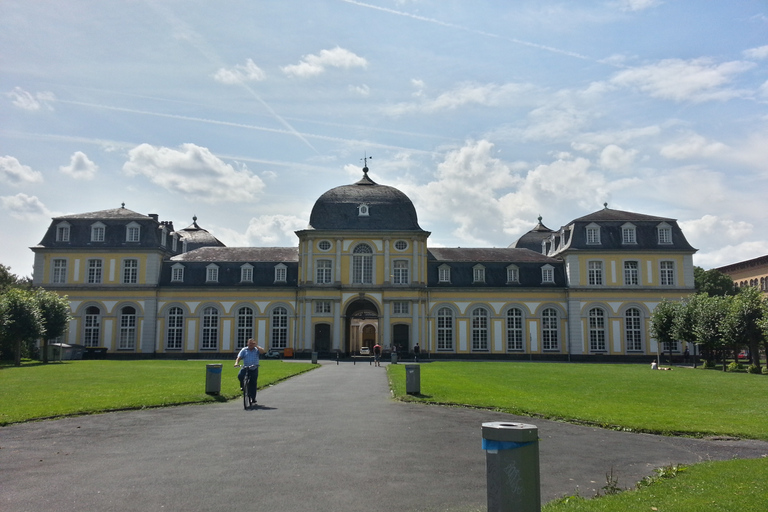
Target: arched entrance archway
[{"x": 362, "y": 326}]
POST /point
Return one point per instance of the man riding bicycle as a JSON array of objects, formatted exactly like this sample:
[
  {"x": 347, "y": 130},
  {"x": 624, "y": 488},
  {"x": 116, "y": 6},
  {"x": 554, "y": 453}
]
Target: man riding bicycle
[{"x": 250, "y": 357}]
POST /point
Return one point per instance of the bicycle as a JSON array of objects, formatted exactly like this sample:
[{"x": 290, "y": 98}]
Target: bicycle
[{"x": 248, "y": 398}]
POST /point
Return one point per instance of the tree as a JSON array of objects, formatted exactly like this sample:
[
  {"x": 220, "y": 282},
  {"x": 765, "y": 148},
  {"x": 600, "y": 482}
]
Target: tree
[
  {"x": 685, "y": 320},
  {"x": 10, "y": 280},
  {"x": 20, "y": 321},
  {"x": 742, "y": 324},
  {"x": 54, "y": 313},
  {"x": 709, "y": 314},
  {"x": 712, "y": 282},
  {"x": 663, "y": 323}
]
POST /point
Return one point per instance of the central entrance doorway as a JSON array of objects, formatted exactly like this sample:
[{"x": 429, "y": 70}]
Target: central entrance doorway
[{"x": 362, "y": 326}]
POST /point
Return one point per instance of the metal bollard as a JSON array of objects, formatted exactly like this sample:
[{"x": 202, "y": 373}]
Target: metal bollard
[
  {"x": 314, "y": 357},
  {"x": 512, "y": 466}
]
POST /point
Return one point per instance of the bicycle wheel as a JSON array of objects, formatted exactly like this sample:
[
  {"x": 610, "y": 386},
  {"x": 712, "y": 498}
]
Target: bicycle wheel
[{"x": 246, "y": 401}]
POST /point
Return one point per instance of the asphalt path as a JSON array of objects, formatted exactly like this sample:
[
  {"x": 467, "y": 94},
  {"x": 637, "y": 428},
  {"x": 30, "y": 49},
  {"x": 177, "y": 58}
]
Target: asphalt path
[{"x": 331, "y": 439}]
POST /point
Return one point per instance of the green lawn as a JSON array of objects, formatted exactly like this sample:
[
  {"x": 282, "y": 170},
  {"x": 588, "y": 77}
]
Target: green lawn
[
  {"x": 35, "y": 391},
  {"x": 629, "y": 397}
]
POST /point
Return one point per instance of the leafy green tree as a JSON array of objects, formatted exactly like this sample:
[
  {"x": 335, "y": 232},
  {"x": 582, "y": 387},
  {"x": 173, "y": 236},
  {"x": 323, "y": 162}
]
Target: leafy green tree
[
  {"x": 685, "y": 320},
  {"x": 709, "y": 315},
  {"x": 54, "y": 313},
  {"x": 712, "y": 282},
  {"x": 743, "y": 322},
  {"x": 663, "y": 323},
  {"x": 20, "y": 322}
]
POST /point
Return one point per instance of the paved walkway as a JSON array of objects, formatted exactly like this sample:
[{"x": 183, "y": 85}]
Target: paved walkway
[{"x": 328, "y": 440}]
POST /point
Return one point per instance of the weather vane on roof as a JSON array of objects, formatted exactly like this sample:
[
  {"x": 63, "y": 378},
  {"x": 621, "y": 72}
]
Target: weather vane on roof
[{"x": 365, "y": 162}]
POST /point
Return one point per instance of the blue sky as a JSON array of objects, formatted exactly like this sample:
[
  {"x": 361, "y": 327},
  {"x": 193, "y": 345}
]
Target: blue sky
[{"x": 486, "y": 113}]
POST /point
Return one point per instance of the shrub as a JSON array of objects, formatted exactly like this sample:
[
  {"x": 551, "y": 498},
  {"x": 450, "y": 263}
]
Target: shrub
[
  {"x": 765, "y": 370},
  {"x": 735, "y": 367},
  {"x": 709, "y": 364},
  {"x": 753, "y": 368}
]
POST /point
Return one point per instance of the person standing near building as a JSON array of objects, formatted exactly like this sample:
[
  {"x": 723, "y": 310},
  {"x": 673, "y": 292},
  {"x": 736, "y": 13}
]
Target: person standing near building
[
  {"x": 416, "y": 352},
  {"x": 249, "y": 355},
  {"x": 377, "y": 354}
]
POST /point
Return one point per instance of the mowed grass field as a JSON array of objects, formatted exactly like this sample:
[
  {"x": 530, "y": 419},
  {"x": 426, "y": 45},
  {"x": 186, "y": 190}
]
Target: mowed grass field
[
  {"x": 35, "y": 391},
  {"x": 684, "y": 401}
]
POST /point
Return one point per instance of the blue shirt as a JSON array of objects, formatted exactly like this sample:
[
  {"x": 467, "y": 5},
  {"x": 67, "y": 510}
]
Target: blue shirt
[{"x": 249, "y": 357}]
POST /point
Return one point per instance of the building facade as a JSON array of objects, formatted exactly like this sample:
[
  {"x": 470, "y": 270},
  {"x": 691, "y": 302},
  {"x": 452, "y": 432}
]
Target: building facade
[
  {"x": 752, "y": 272},
  {"x": 363, "y": 273}
]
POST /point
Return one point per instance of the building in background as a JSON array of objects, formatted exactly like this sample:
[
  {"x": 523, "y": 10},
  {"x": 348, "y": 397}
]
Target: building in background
[
  {"x": 363, "y": 273},
  {"x": 752, "y": 272}
]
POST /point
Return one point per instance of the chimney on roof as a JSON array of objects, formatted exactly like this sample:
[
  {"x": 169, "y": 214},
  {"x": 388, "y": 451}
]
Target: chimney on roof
[{"x": 153, "y": 215}]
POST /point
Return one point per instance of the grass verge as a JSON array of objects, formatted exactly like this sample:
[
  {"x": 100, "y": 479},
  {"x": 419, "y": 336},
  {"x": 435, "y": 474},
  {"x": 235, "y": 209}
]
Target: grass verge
[{"x": 36, "y": 391}]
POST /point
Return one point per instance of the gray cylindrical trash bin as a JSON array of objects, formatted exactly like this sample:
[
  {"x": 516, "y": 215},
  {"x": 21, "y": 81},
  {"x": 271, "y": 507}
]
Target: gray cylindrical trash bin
[
  {"x": 213, "y": 378},
  {"x": 512, "y": 465},
  {"x": 394, "y": 358},
  {"x": 412, "y": 379},
  {"x": 314, "y": 357}
]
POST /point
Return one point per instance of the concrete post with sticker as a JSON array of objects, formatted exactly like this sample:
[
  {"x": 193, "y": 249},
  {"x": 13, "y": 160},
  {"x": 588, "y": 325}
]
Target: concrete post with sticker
[{"x": 512, "y": 465}]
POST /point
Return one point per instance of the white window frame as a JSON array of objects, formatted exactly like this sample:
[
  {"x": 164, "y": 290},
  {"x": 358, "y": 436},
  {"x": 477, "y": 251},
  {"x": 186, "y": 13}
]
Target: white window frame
[
  {"x": 445, "y": 329},
  {"x": 515, "y": 330},
  {"x": 480, "y": 329},
  {"x": 401, "y": 307},
  {"x": 513, "y": 274},
  {"x": 633, "y": 330},
  {"x": 59, "y": 267},
  {"x": 95, "y": 272},
  {"x": 92, "y": 326},
  {"x": 212, "y": 273},
  {"x": 667, "y": 273},
  {"x": 209, "y": 332},
  {"x": 362, "y": 264},
  {"x": 324, "y": 245},
  {"x": 444, "y": 274},
  {"x": 478, "y": 274},
  {"x": 177, "y": 273},
  {"x": 597, "y": 334},
  {"x": 323, "y": 307},
  {"x": 130, "y": 271},
  {"x": 547, "y": 274},
  {"x": 246, "y": 274},
  {"x": 664, "y": 234},
  {"x": 127, "y": 335},
  {"x": 595, "y": 276},
  {"x": 324, "y": 272},
  {"x": 281, "y": 273},
  {"x": 593, "y": 234},
  {"x": 63, "y": 231},
  {"x": 400, "y": 272},
  {"x": 628, "y": 234},
  {"x": 174, "y": 331},
  {"x": 244, "y": 326},
  {"x": 279, "y": 327},
  {"x": 550, "y": 330},
  {"x": 631, "y": 273},
  {"x": 363, "y": 210},
  {"x": 133, "y": 232},
  {"x": 98, "y": 231}
]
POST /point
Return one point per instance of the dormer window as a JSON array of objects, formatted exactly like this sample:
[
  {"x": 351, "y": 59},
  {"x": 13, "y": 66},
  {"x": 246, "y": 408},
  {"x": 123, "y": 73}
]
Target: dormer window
[
  {"x": 362, "y": 210},
  {"x": 62, "y": 232},
  {"x": 478, "y": 274},
  {"x": 163, "y": 236},
  {"x": 513, "y": 274},
  {"x": 628, "y": 234},
  {"x": 664, "y": 233},
  {"x": 97, "y": 232},
  {"x": 281, "y": 273},
  {"x": 246, "y": 273},
  {"x": 444, "y": 274},
  {"x": 175, "y": 242},
  {"x": 212, "y": 273},
  {"x": 177, "y": 273},
  {"x": 593, "y": 234},
  {"x": 547, "y": 274},
  {"x": 132, "y": 232}
]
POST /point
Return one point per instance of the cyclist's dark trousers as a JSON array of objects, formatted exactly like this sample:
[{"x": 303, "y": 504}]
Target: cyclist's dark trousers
[{"x": 252, "y": 376}]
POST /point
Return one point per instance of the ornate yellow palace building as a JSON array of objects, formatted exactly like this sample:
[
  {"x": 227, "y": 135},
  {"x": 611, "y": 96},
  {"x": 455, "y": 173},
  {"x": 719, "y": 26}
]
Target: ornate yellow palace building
[{"x": 363, "y": 273}]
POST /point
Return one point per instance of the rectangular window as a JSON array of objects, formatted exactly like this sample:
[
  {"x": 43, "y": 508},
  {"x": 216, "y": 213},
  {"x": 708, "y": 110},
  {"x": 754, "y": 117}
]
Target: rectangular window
[
  {"x": 244, "y": 327},
  {"x": 127, "y": 338},
  {"x": 593, "y": 235},
  {"x": 400, "y": 272},
  {"x": 323, "y": 307},
  {"x": 480, "y": 330},
  {"x": 324, "y": 272},
  {"x": 130, "y": 271},
  {"x": 210, "y": 332},
  {"x": 280, "y": 274},
  {"x": 595, "y": 272},
  {"x": 547, "y": 275},
  {"x": 212, "y": 274},
  {"x": 631, "y": 273},
  {"x": 175, "y": 332},
  {"x": 514, "y": 330},
  {"x": 59, "y": 271},
  {"x": 667, "y": 270},
  {"x": 633, "y": 332},
  {"x": 478, "y": 275},
  {"x": 400, "y": 307},
  {"x": 62, "y": 234},
  {"x": 665, "y": 235},
  {"x": 97, "y": 234},
  {"x": 549, "y": 330},
  {"x": 628, "y": 235},
  {"x": 132, "y": 234},
  {"x": 444, "y": 329},
  {"x": 444, "y": 275},
  {"x": 362, "y": 269},
  {"x": 246, "y": 274},
  {"x": 94, "y": 271},
  {"x": 177, "y": 274},
  {"x": 513, "y": 275}
]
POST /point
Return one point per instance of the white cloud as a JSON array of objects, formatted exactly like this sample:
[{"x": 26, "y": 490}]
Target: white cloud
[
  {"x": 553, "y": 122},
  {"x": 24, "y": 207},
  {"x": 759, "y": 53},
  {"x": 194, "y": 172},
  {"x": 716, "y": 229},
  {"x": 241, "y": 73},
  {"x": 362, "y": 90},
  {"x": 726, "y": 254},
  {"x": 13, "y": 172},
  {"x": 274, "y": 230},
  {"x": 692, "y": 146},
  {"x": 615, "y": 157},
  {"x": 312, "y": 65},
  {"x": 637, "y": 5},
  {"x": 28, "y": 101},
  {"x": 693, "y": 80},
  {"x": 80, "y": 167},
  {"x": 486, "y": 95}
]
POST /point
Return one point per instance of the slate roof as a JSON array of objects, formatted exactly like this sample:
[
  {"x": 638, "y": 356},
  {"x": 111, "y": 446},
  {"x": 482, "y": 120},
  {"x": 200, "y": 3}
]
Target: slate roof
[
  {"x": 532, "y": 239},
  {"x": 114, "y": 213},
  {"x": 608, "y": 214},
  {"x": 197, "y": 237},
  {"x": 241, "y": 255},
  {"x": 389, "y": 208},
  {"x": 478, "y": 255}
]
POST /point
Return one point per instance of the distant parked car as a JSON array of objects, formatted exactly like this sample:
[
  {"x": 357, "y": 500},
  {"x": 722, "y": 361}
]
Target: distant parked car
[
  {"x": 272, "y": 354},
  {"x": 365, "y": 351}
]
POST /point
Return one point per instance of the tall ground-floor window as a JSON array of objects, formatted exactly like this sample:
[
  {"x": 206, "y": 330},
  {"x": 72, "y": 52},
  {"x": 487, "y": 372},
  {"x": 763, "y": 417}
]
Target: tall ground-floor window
[
  {"x": 596, "y": 330},
  {"x": 174, "y": 334},
  {"x": 279, "y": 337},
  {"x": 515, "y": 330},
  {"x": 127, "y": 338},
  {"x": 445, "y": 329},
  {"x": 549, "y": 329},
  {"x": 632, "y": 330},
  {"x": 92, "y": 327},
  {"x": 244, "y": 326},
  {"x": 479, "y": 329},
  {"x": 210, "y": 339}
]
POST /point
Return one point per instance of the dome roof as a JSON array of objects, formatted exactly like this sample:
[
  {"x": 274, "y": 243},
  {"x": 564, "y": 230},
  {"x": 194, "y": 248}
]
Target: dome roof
[
  {"x": 532, "y": 239},
  {"x": 197, "y": 237},
  {"x": 364, "y": 205}
]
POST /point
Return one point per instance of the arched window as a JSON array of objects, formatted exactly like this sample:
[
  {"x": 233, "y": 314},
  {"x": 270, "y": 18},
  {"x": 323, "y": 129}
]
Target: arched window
[
  {"x": 515, "y": 330},
  {"x": 445, "y": 329},
  {"x": 632, "y": 330},
  {"x": 92, "y": 327},
  {"x": 362, "y": 264},
  {"x": 549, "y": 329},
  {"x": 480, "y": 329},
  {"x": 279, "y": 337},
  {"x": 244, "y": 326},
  {"x": 210, "y": 333},
  {"x": 127, "y": 339},
  {"x": 174, "y": 337},
  {"x": 597, "y": 330}
]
